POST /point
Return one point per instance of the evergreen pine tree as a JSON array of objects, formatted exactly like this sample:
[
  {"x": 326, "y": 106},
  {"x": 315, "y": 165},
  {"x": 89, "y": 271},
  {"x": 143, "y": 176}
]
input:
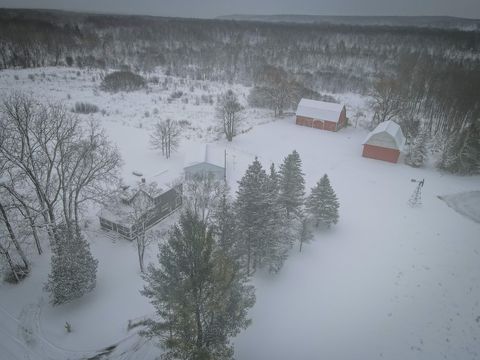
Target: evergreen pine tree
[
  {"x": 276, "y": 230},
  {"x": 73, "y": 268},
  {"x": 224, "y": 224},
  {"x": 292, "y": 184},
  {"x": 418, "y": 151},
  {"x": 250, "y": 210},
  {"x": 274, "y": 179},
  {"x": 304, "y": 231},
  {"x": 322, "y": 204},
  {"x": 200, "y": 296}
]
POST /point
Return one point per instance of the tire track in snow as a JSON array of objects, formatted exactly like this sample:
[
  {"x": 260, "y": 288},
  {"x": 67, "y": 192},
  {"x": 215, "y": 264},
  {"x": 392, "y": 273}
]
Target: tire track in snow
[{"x": 27, "y": 341}]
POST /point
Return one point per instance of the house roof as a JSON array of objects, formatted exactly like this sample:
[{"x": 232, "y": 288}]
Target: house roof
[
  {"x": 117, "y": 212},
  {"x": 120, "y": 209},
  {"x": 319, "y": 110},
  {"x": 392, "y": 129},
  {"x": 204, "y": 164}
]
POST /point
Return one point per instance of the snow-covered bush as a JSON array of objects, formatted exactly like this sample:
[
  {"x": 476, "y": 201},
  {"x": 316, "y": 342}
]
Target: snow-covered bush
[
  {"x": 122, "y": 81},
  {"x": 176, "y": 95},
  {"x": 85, "y": 108}
]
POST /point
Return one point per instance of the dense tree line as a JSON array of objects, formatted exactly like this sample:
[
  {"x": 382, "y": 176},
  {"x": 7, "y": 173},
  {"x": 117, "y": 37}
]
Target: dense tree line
[
  {"x": 434, "y": 73},
  {"x": 332, "y": 57},
  {"x": 269, "y": 213},
  {"x": 436, "y": 103}
]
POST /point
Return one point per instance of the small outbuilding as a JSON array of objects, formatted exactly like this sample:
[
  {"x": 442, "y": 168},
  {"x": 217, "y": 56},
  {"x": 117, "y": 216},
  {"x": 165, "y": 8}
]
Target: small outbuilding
[
  {"x": 385, "y": 142},
  {"x": 204, "y": 169},
  {"x": 207, "y": 167},
  {"x": 321, "y": 115}
]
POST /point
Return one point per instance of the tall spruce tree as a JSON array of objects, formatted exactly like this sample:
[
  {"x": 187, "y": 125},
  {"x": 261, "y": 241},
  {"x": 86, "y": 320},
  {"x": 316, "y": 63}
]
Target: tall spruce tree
[
  {"x": 322, "y": 204},
  {"x": 73, "y": 268},
  {"x": 292, "y": 184},
  {"x": 250, "y": 209},
  {"x": 224, "y": 224},
  {"x": 304, "y": 231},
  {"x": 200, "y": 296},
  {"x": 276, "y": 230}
]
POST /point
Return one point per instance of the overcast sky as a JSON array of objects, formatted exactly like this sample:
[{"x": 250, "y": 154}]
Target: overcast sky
[{"x": 213, "y": 8}]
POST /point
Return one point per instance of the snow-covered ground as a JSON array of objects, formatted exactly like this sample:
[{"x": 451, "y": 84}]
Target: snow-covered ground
[{"x": 388, "y": 282}]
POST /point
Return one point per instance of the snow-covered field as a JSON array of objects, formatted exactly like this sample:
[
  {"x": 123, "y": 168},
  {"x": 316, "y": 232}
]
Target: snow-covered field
[{"x": 388, "y": 282}]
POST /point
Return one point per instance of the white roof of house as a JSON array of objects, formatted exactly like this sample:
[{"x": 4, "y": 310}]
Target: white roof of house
[
  {"x": 204, "y": 154},
  {"x": 320, "y": 110},
  {"x": 391, "y": 128},
  {"x": 119, "y": 212},
  {"x": 203, "y": 164},
  {"x": 163, "y": 177}
]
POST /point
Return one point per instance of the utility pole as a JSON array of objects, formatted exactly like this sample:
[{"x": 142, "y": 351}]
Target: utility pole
[{"x": 225, "y": 166}]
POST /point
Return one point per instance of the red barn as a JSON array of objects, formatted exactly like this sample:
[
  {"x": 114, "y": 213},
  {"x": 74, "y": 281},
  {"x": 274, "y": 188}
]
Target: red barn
[
  {"x": 385, "y": 142},
  {"x": 321, "y": 115}
]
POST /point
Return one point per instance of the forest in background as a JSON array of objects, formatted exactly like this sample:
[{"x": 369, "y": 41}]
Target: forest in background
[{"x": 432, "y": 73}]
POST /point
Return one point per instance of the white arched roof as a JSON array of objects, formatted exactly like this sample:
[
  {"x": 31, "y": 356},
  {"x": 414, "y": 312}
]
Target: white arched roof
[
  {"x": 387, "y": 134},
  {"x": 320, "y": 110}
]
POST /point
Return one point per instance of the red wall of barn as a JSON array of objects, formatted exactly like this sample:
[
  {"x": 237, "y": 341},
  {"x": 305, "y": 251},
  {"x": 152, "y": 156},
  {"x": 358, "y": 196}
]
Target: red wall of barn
[
  {"x": 342, "y": 121},
  {"x": 330, "y": 126},
  {"x": 304, "y": 121},
  {"x": 380, "y": 153},
  {"x": 317, "y": 124}
]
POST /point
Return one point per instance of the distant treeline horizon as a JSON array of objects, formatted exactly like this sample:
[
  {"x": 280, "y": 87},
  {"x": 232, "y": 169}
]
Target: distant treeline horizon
[{"x": 437, "y": 69}]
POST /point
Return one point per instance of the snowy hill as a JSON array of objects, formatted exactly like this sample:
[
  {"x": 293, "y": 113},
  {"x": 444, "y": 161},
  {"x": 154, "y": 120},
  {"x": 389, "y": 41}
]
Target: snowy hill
[{"x": 440, "y": 22}]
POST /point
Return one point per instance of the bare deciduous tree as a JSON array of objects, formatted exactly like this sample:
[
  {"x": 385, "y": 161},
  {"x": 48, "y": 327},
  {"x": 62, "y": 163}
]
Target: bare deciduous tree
[
  {"x": 5, "y": 252},
  {"x": 24, "y": 204},
  {"x": 30, "y": 135},
  {"x": 229, "y": 112},
  {"x": 386, "y": 102},
  {"x": 166, "y": 136},
  {"x": 11, "y": 233},
  {"x": 142, "y": 210},
  {"x": 47, "y": 152},
  {"x": 201, "y": 195},
  {"x": 88, "y": 169}
]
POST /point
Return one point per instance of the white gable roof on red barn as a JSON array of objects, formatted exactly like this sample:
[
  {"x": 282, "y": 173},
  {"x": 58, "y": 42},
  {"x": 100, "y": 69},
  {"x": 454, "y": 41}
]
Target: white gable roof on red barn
[
  {"x": 319, "y": 110},
  {"x": 387, "y": 134}
]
